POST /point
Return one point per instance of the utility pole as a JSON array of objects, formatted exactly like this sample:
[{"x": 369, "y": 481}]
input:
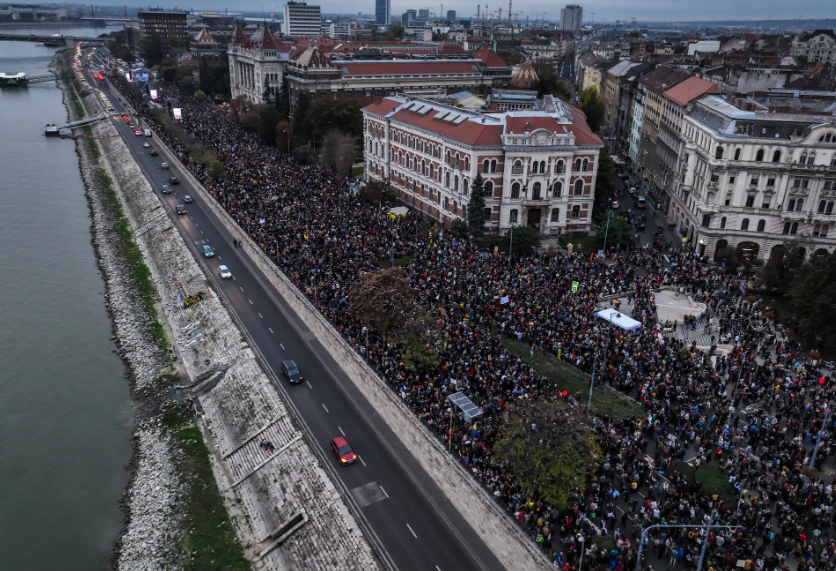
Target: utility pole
[{"x": 704, "y": 544}]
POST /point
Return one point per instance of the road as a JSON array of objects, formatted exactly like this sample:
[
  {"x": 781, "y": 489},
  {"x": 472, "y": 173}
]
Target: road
[{"x": 416, "y": 524}]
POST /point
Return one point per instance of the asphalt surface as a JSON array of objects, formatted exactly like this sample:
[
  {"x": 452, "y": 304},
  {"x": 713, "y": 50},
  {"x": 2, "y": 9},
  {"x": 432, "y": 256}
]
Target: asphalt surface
[{"x": 415, "y": 523}]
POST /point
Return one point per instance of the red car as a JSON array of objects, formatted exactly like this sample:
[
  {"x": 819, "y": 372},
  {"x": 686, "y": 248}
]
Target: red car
[
  {"x": 126, "y": 118},
  {"x": 138, "y": 133},
  {"x": 174, "y": 180},
  {"x": 343, "y": 451}
]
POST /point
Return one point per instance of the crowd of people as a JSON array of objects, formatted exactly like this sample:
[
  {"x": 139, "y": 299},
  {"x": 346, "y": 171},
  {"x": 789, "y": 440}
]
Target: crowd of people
[{"x": 323, "y": 237}]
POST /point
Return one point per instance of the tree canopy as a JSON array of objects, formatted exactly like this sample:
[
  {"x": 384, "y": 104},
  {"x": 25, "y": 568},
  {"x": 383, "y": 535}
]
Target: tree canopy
[
  {"x": 328, "y": 114},
  {"x": 382, "y": 299},
  {"x": 619, "y": 231},
  {"x": 781, "y": 270},
  {"x": 300, "y": 117},
  {"x": 151, "y": 49},
  {"x": 550, "y": 83},
  {"x": 814, "y": 298},
  {"x": 593, "y": 107},
  {"x": 476, "y": 208},
  {"x": 551, "y": 448},
  {"x": 523, "y": 240}
]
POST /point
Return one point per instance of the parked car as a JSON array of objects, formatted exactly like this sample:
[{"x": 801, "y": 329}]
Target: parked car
[
  {"x": 208, "y": 252},
  {"x": 224, "y": 272},
  {"x": 291, "y": 372},
  {"x": 343, "y": 451},
  {"x": 614, "y": 204}
]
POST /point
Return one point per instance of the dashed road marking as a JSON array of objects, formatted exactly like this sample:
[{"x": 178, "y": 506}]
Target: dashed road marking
[
  {"x": 282, "y": 346},
  {"x": 270, "y": 330},
  {"x": 341, "y": 431},
  {"x": 382, "y": 490},
  {"x": 326, "y": 408},
  {"x": 363, "y": 463},
  {"x": 260, "y": 316},
  {"x": 251, "y": 301},
  {"x": 309, "y": 385},
  {"x": 239, "y": 287},
  {"x": 412, "y": 532}
]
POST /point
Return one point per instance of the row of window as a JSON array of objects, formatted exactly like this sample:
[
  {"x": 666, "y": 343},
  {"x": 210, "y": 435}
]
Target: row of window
[
  {"x": 514, "y": 214},
  {"x": 790, "y": 228},
  {"x": 760, "y": 155}
]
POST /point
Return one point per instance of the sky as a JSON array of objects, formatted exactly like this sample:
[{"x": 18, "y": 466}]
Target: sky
[{"x": 605, "y": 10}]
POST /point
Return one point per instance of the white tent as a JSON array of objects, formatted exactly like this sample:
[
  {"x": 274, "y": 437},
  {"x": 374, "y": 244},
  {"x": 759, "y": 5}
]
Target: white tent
[{"x": 619, "y": 319}]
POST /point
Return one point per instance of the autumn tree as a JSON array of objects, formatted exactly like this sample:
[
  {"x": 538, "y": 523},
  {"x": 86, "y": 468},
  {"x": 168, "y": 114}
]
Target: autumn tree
[
  {"x": 339, "y": 150},
  {"x": 382, "y": 299},
  {"x": 420, "y": 339},
  {"x": 550, "y": 448}
]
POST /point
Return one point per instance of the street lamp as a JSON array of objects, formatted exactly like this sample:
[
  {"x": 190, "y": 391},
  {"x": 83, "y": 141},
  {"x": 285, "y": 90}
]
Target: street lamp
[
  {"x": 607, "y": 231},
  {"x": 704, "y": 541}
]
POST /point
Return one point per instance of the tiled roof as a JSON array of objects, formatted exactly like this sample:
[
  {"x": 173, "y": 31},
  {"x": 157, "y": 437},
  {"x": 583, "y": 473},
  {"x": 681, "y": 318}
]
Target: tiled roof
[
  {"x": 450, "y": 48},
  {"x": 468, "y": 132},
  {"x": 663, "y": 78},
  {"x": 313, "y": 58},
  {"x": 238, "y": 36},
  {"x": 490, "y": 58},
  {"x": 409, "y": 67},
  {"x": 383, "y": 107},
  {"x": 524, "y": 76},
  {"x": 688, "y": 90},
  {"x": 204, "y": 37}
]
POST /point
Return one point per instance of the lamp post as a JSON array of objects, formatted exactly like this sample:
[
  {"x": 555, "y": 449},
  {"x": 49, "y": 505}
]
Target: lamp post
[
  {"x": 704, "y": 543},
  {"x": 607, "y": 231},
  {"x": 450, "y": 431}
]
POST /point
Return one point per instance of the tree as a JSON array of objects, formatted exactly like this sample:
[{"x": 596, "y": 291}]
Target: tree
[
  {"x": 328, "y": 114},
  {"x": 382, "y": 299},
  {"x": 781, "y": 270},
  {"x": 395, "y": 32},
  {"x": 438, "y": 37},
  {"x": 377, "y": 192},
  {"x": 304, "y": 155},
  {"x": 550, "y": 446},
  {"x": 339, "y": 150},
  {"x": 199, "y": 95},
  {"x": 284, "y": 136},
  {"x": 420, "y": 340},
  {"x": 283, "y": 99},
  {"x": 268, "y": 118},
  {"x": 813, "y": 295},
  {"x": 550, "y": 83},
  {"x": 604, "y": 182},
  {"x": 476, "y": 208},
  {"x": 619, "y": 231},
  {"x": 523, "y": 240},
  {"x": 151, "y": 49},
  {"x": 593, "y": 107},
  {"x": 300, "y": 118},
  {"x": 189, "y": 85}
]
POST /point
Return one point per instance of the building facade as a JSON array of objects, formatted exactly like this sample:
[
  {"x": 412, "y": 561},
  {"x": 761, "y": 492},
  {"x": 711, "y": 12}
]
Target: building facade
[
  {"x": 539, "y": 166},
  {"x": 256, "y": 65},
  {"x": 301, "y": 19},
  {"x": 166, "y": 25},
  {"x": 571, "y": 17},
  {"x": 754, "y": 180},
  {"x": 382, "y": 12},
  {"x": 816, "y": 46}
]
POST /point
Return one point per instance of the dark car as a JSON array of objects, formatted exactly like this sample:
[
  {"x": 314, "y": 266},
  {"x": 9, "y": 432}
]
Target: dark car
[
  {"x": 343, "y": 451},
  {"x": 291, "y": 372},
  {"x": 174, "y": 180},
  {"x": 181, "y": 209},
  {"x": 154, "y": 153},
  {"x": 188, "y": 199},
  {"x": 165, "y": 189}
]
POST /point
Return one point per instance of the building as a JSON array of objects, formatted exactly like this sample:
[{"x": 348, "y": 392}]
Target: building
[
  {"x": 166, "y": 25},
  {"x": 382, "y": 12},
  {"x": 320, "y": 77},
  {"x": 755, "y": 178},
  {"x": 451, "y": 15},
  {"x": 256, "y": 65},
  {"x": 571, "y": 17},
  {"x": 300, "y": 19},
  {"x": 207, "y": 55},
  {"x": 539, "y": 166},
  {"x": 424, "y": 14},
  {"x": 818, "y": 46},
  {"x": 408, "y": 17}
]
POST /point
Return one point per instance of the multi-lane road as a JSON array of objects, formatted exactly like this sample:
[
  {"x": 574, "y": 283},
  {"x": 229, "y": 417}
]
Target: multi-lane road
[{"x": 415, "y": 523}]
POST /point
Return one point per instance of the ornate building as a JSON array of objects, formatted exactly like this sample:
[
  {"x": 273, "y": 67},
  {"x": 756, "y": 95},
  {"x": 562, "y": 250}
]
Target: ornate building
[
  {"x": 754, "y": 179},
  {"x": 539, "y": 165},
  {"x": 256, "y": 64}
]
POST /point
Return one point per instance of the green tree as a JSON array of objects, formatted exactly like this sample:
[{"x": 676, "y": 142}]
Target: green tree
[
  {"x": 551, "y": 448},
  {"x": 300, "y": 118},
  {"x": 605, "y": 181},
  {"x": 619, "y": 231},
  {"x": 420, "y": 340},
  {"x": 593, "y": 107},
  {"x": 189, "y": 85},
  {"x": 304, "y": 155},
  {"x": 151, "y": 49},
  {"x": 395, "y": 32},
  {"x": 284, "y": 136},
  {"x": 283, "y": 99},
  {"x": 781, "y": 270},
  {"x": 268, "y": 118},
  {"x": 199, "y": 95},
  {"x": 813, "y": 295},
  {"x": 438, "y": 37},
  {"x": 476, "y": 208},
  {"x": 376, "y": 192},
  {"x": 550, "y": 83},
  {"x": 523, "y": 240},
  {"x": 342, "y": 114}
]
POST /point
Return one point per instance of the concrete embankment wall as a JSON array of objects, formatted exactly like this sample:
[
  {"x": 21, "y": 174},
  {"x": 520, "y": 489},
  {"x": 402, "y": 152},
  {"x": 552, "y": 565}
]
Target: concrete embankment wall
[
  {"x": 511, "y": 546},
  {"x": 263, "y": 489}
]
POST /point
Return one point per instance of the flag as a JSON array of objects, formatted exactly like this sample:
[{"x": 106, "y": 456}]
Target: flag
[{"x": 503, "y": 299}]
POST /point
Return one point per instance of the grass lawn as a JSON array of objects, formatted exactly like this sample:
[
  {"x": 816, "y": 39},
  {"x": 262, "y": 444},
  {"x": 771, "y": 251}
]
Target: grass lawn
[
  {"x": 357, "y": 171},
  {"x": 604, "y": 399},
  {"x": 710, "y": 477},
  {"x": 386, "y": 262}
]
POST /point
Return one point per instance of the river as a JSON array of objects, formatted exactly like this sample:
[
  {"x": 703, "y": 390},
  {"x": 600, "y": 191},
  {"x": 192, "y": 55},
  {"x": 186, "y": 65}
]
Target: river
[{"x": 65, "y": 410}]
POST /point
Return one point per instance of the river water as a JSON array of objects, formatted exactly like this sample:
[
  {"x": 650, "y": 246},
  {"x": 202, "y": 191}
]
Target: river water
[{"x": 65, "y": 412}]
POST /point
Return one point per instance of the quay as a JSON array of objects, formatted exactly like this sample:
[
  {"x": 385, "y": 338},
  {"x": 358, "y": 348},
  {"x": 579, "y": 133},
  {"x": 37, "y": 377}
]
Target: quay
[{"x": 22, "y": 80}]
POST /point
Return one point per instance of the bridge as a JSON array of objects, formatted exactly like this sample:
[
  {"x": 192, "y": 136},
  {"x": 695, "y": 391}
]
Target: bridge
[
  {"x": 56, "y": 41},
  {"x": 22, "y": 80},
  {"x": 52, "y": 130}
]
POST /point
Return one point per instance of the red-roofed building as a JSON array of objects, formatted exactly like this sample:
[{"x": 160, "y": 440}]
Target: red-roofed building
[
  {"x": 539, "y": 166},
  {"x": 256, "y": 64}
]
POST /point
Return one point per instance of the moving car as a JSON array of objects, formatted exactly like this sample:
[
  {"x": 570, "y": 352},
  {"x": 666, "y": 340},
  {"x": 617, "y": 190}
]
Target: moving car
[
  {"x": 632, "y": 190},
  {"x": 154, "y": 153},
  {"x": 164, "y": 166},
  {"x": 181, "y": 209},
  {"x": 641, "y": 202},
  {"x": 138, "y": 133},
  {"x": 224, "y": 272},
  {"x": 615, "y": 204},
  {"x": 146, "y": 145},
  {"x": 147, "y": 132},
  {"x": 343, "y": 451},
  {"x": 174, "y": 180},
  {"x": 291, "y": 372},
  {"x": 165, "y": 189},
  {"x": 208, "y": 252},
  {"x": 188, "y": 199}
]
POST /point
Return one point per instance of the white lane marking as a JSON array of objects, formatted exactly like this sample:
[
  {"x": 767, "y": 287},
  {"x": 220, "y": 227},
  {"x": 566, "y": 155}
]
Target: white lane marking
[
  {"x": 437, "y": 567},
  {"x": 412, "y": 532},
  {"x": 239, "y": 287},
  {"x": 326, "y": 408},
  {"x": 251, "y": 301},
  {"x": 201, "y": 231},
  {"x": 341, "y": 431},
  {"x": 220, "y": 258},
  {"x": 262, "y": 317},
  {"x": 309, "y": 385},
  {"x": 282, "y": 346},
  {"x": 233, "y": 277},
  {"x": 384, "y": 491},
  {"x": 270, "y": 330},
  {"x": 361, "y": 460}
]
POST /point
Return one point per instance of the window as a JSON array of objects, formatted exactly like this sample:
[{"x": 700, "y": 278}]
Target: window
[
  {"x": 750, "y": 201},
  {"x": 578, "y": 187},
  {"x": 465, "y": 186},
  {"x": 706, "y": 220},
  {"x": 728, "y": 199},
  {"x": 722, "y": 223},
  {"x": 560, "y": 167},
  {"x": 515, "y": 190},
  {"x": 799, "y": 204},
  {"x": 535, "y": 191},
  {"x": 776, "y": 157},
  {"x": 555, "y": 215},
  {"x": 487, "y": 213},
  {"x": 817, "y": 230},
  {"x": 576, "y": 211},
  {"x": 824, "y": 229},
  {"x": 488, "y": 189},
  {"x": 493, "y": 165},
  {"x": 770, "y": 182},
  {"x": 514, "y": 216},
  {"x": 557, "y": 189},
  {"x": 517, "y": 168},
  {"x": 744, "y": 225},
  {"x": 449, "y": 158},
  {"x": 737, "y": 154},
  {"x": 790, "y": 228},
  {"x": 715, "y": 178},
  {"x": 486, "y": 166},
  {"x": 754, "y": 182},
  {"x": 731, "y": 180},
  {"x": 456, "y": 182},
  {"x": 432, "y": 171},
  {"x": 584, "y": 165},
  {"x": 718, "y": 154},
  {"x": 761, "y": 225},
  {"x": 467, "y": 163},
  {"x": 803, "y": 159},
  {"x": 829, "y": 184},
  {"x": 791, "y": 205},
  {"x": 447, "y": 180},
  {"x": 759, "y": 156},
  {"x": 822, "y": 206},
  {"x": 578, "y": 165},
  {"x": 765, "y": 203}
]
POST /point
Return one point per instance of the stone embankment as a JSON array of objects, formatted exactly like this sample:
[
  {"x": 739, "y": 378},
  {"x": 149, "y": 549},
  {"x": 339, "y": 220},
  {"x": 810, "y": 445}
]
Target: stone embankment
[{"x": 286, "y": 510}]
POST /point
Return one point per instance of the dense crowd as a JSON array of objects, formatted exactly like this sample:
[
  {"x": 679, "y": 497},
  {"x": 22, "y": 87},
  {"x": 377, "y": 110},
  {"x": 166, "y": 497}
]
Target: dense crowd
[{"x": 323, "y": 237}]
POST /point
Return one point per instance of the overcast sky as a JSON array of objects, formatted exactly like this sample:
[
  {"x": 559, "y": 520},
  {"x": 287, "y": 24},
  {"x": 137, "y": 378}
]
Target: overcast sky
[{"x": 605, "y": 10}]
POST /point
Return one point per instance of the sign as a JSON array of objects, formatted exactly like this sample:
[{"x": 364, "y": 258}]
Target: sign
[
  {"x": 153, "y": 94},
  {"x": 684, "y": 239},
  {"x": 574, "y": 287},
  {"x": 178, "y": 113}
]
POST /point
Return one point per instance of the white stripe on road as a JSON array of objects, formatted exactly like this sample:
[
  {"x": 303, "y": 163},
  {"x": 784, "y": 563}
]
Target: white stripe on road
[
  {"x": 282, "y": 346},
  {"x": 384, "y": 491},
  {"x": 239, "y": 287},
  {"x": 260, "y": 316},
  {"x": 251, "y": 301},
  {"x": 270, "y": 330},
  {"x": 412, "y": 532},
  {"x": 361, "y": 461},
  {"x": 309, "y": 385},
  {"x": 326, "y": 408},
  {"x": 341, "y": 431}
]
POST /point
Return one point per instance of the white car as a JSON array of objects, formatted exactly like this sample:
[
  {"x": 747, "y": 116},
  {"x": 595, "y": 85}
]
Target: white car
[
  {"x": 224, "y": 272},
  {"x": 164, "y": 166}
]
